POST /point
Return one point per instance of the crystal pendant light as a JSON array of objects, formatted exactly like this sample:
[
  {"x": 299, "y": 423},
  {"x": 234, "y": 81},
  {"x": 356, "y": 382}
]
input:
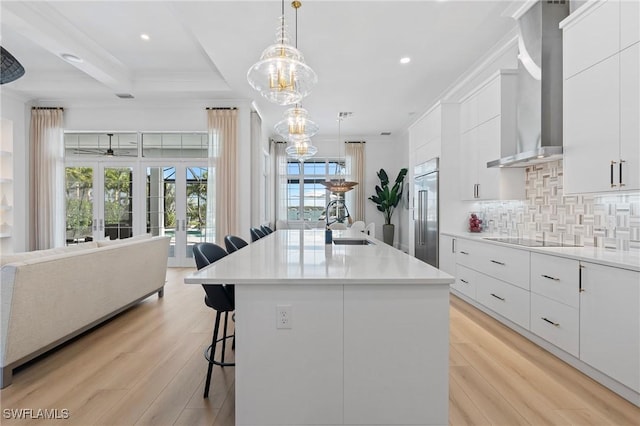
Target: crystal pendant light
[
  {"x": 301, "y": 150},
  {"x": 281, "y": 74},
  {"x": 296, "y": 125}
]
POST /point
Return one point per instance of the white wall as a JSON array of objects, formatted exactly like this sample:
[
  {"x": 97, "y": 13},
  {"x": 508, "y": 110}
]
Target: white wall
[
  {"x": 17, "y": 110},
  {"x": 454, "y": 211}
]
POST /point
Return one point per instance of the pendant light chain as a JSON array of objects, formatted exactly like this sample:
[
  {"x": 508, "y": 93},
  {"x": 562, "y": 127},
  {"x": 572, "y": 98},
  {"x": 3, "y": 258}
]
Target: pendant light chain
[{"x": 282, "y": 31}]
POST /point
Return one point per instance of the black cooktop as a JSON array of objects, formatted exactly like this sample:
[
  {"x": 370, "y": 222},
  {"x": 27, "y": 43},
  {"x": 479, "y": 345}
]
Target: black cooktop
[{"x": 528, "y": 243}]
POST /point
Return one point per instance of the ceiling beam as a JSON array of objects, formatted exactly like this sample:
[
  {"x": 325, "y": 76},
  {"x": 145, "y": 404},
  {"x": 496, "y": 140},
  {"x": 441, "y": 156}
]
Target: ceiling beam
[{"x": 41, "y": 23}]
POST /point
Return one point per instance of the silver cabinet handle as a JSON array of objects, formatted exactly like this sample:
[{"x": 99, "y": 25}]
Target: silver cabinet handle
[
  {"x": 464, "y": 252},
  {"x": 478, "y": 190},
  {"x": 453, "y": 245},
  {"x": 620, "y": 174},
  {"x": 550, "y": 278},
  {"x": 95, "y": 224},
  {"x": 184, "y": 224},
  {"x": 466, "y": 282},
  {"x": 613, "y": 185},
  {"x": 101, "y": 224},
  {"x": 496, "y": 262},
  {"x": 555, "y": 324},
  {"x": 498, "y": 297}
]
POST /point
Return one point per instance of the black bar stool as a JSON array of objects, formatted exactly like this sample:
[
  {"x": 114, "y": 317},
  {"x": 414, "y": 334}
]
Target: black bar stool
[{"x": 219, "y": 297}]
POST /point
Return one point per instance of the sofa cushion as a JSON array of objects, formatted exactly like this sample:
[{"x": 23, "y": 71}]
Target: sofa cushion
[{"x": 36, "y": 254}]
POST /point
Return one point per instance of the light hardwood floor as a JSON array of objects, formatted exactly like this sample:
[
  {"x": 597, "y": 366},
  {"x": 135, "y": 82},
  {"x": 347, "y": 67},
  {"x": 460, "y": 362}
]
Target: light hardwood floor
[{"x": 145, "y": 367}]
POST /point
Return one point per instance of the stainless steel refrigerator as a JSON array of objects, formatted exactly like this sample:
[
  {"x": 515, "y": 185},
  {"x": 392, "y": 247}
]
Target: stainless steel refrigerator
[{"x": 425, "y": 211}]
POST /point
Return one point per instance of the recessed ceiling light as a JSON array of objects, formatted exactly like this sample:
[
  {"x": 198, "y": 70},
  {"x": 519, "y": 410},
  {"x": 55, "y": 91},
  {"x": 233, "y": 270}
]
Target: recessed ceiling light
[
  {"x": 70, "y": 58},
  {"x": 145, "y": 37},
  {"x": 405, "y": 60}
]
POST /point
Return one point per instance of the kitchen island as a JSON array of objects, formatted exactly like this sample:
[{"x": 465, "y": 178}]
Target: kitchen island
[{"x": 366, "y": 336}]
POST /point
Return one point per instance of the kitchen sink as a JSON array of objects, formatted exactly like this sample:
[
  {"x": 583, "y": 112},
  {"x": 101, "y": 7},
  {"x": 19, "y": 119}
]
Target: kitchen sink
[{"x": 352, "y": 241}]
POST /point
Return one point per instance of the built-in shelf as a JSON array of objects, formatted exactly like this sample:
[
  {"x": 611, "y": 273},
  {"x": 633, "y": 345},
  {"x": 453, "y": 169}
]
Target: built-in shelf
[
  {"x": 5, "y": 234},
  {"x": 6, "y": 180}
]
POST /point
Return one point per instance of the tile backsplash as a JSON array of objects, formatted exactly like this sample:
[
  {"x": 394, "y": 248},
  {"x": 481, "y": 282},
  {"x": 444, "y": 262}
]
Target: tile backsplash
[{"x": 610, "y": 220}]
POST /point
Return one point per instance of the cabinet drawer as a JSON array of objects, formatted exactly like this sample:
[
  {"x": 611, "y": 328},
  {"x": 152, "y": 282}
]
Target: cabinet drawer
[
  {"x": 507, "y": 300},
  {"x": 468, "y": 253},
  {"x": 556, "y": 278},
  {"x": 506, "y": 264},
  {"x": 466, "y": 281},
  {"x": 556, "y": 323}
]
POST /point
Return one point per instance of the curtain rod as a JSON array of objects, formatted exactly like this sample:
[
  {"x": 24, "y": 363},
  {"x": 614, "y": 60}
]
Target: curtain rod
[
  {"x": 355, "y": 141},
  {"x": 215, "y": 108},
  {"x": 47, "y": 108}
]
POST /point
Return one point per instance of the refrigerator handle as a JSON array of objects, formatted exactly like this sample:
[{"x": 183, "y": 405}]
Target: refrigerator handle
[
  {"x": 420, "y": 194},
  {"x": 423, "y": 211}
]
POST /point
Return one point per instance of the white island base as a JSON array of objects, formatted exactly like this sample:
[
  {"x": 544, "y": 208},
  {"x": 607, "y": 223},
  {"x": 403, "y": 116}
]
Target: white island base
[
  {"x": 355, "y": 354},
  {"x": 368, "y": 342}
]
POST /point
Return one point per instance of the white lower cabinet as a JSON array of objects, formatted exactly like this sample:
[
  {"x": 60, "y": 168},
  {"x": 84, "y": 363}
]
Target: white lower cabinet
[
  {"x": 466, "y": 280},
  {"x": 610, "y": 322},
  {"x": 447, "y": 254},
  {"x": 556, "y": 278},
  {"x": 555, "y": 322},
  {"x": 503, "y": 298}
]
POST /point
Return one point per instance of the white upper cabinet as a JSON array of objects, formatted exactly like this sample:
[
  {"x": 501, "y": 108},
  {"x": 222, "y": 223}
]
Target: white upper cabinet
[
  {"x": 630, "y": 116},
  {"x": 629, "y": 23},
  {"x": 601, "y": 97},
  {"x": 425, "y": 136},
  {"x": 591, "y": 128},
  {"x": 488, "y": 132},
  {"x": 589, "y": 37}
]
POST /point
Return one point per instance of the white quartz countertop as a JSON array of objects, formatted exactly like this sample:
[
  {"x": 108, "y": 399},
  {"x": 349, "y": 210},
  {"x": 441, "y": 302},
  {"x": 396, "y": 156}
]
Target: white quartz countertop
[
  {"x": 616, "y": 258},
  {"x": 301, "y": 257}
]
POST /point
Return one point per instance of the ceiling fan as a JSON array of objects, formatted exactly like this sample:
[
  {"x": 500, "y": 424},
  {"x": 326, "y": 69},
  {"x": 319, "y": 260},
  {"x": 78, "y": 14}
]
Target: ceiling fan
[{"x": 110, "y": 152}]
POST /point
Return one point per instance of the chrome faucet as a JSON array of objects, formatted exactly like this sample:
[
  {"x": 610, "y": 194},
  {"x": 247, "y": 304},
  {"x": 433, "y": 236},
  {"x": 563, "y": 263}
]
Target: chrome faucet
[{"x": 338, "y": 218}]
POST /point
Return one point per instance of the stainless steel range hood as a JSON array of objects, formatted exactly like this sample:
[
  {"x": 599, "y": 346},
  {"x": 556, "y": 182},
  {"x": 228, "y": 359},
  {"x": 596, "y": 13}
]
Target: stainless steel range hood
[{"x": 539, "y": 87}]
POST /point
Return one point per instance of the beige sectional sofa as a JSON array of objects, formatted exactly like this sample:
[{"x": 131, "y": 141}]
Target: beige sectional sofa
[{"x": 50, "y": 296}]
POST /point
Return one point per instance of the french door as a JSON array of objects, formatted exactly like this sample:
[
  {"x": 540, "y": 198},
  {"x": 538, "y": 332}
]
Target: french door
[
  {"x": 177, "y": 204},
  {"x": 100, "y": 200}
]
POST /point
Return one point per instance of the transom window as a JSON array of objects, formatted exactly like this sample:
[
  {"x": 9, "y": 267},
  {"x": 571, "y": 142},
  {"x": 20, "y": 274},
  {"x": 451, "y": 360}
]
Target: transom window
[
  {"x": 137, "y": 144},
  {"x": 306, "y": 196}
]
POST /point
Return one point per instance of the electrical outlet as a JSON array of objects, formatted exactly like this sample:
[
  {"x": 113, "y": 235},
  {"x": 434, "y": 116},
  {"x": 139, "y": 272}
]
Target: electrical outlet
[{"x": 283, "y": 316}]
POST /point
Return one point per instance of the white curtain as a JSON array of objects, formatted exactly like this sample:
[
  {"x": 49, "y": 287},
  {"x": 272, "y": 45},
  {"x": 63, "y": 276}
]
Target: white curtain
[
  {"x": 280, "y": 157},
  {"x": 354, "y": 153},
  {"x": 223, "y": 141},
  {"x": 47, "y": 215}
]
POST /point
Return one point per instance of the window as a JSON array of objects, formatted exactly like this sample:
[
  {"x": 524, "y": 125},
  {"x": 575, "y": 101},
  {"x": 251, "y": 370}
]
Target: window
[
  {"x": 80, "y": 145},
  {"x": 175, "y": 145},
  {"x": 306, "y": 196}
]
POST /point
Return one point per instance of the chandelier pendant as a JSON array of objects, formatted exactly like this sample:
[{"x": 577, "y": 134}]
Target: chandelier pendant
[
  {"x": 281, "y": 75},
  {"x": 296, "y": 125},
  {"x": 301, "y": 150}
]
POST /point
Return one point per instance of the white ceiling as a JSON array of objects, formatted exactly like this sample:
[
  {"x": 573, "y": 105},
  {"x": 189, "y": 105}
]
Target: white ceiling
[{"x": 201, "y": 50}]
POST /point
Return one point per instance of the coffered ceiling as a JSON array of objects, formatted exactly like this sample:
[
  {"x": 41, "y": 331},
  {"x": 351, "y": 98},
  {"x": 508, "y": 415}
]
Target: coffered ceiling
[{"x": 201, "y": 50}]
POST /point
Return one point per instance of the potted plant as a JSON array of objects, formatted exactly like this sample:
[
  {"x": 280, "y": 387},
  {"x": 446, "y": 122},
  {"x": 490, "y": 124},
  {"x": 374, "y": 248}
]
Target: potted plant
[{"x": 387, "y": 199}]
